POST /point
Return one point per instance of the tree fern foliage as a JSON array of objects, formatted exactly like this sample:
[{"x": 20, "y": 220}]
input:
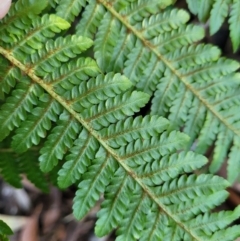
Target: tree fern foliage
[
  {"x": 85, "y": 113},
  {"x": 190, "y": 83},
  {"x": 216, "y": 12}
]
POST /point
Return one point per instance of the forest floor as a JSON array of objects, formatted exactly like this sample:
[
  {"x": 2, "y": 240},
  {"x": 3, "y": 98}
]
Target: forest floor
[{"x": 35, "y": 216}]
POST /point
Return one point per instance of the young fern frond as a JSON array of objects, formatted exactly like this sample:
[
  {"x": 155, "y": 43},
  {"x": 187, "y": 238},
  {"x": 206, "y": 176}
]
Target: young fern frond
[
  {"x": 216, "y": 12},
  {"x": 190, "y": 84},
  {"x": 90, "y": 120}
]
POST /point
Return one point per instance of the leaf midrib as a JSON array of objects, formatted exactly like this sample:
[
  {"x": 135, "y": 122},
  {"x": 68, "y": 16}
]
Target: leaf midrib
[
  {"x": 30, "y": 72},
  {"x": 180, "y": 77},
  {"x": 168, "y": 64},
  {"x": 49, "y": 89}
]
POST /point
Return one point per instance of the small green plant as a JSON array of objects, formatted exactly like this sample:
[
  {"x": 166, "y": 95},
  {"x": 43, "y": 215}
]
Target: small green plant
[{"x": 85, "y": 117}]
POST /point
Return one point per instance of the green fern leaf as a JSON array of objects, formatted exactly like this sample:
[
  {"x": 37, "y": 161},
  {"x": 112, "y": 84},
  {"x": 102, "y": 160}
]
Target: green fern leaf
[
  {"x": 69, "y": 9},
  {"x": 234, "y": 22},
  {"x": 72, "y": 72},
  {"x": 78, "y": 160},
  {"x": 190, "y": 84},
  {"x": 118, "y": 108},
  {"x": 116, "y": 201},
  {"x": 19, "y": 17},
  {"x": 231, "y": 234},
  {"x": 218, "y": 14},
  {"x": 65, "y": 132},
  {"x": 57, "y": 52},
  {"x": 194, "y": 5},
  {"x": 204, "y": 9},
  {"x": 7, "y": 80},
  {"x": 217, "y": 11},
  {"x": 131, "y": 129},
  {"x": 96, "y": 90},
  {"x": 93, "y": 184},
  {"x": 140, "y": 9},
  {"x": 35, "y": 127},
  {"x": 15, "y": 109},
  {"x": 91, "y": 16},
  {"x": 141, "y": 170},
  {"x": 42, "y": 29},
  {"x": 188, "y": 209},
  {"x": 216, "y": 220}
]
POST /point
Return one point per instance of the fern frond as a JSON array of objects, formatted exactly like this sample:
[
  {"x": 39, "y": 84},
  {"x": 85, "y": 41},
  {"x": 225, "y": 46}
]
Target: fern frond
[
  {"x": 15, "y": 109},
  {"x": 194, "y": 5},
  {"x": 19, "y": 17},
  {"x": 204, "y": 8},
  {"x": 234, "y": 22},
  {"x": 97, "y": 90},
  {"x": 217, "y": 11},
  {"x": 35, "y": 126},
  {"x": 42, "y": 29},
  {"x": 218, "y": 220},
  {"x": 190, "y": 84},
  {"x": 7, "y": 79},
  {"x": 69, "y": 9},
  {"x": 200, "y": 204},
  {"x": 57, "y": 52},
  {"x": 141, "y": 170},
  {"x": 65, "y": 132},
  {"x": 78, "y": 159},
  {"x": 228, "y": 236},
  {"x": 131, "y": 129},
  {"x": 91, "y": 16},
  {"x": 138, "y": 10}
]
